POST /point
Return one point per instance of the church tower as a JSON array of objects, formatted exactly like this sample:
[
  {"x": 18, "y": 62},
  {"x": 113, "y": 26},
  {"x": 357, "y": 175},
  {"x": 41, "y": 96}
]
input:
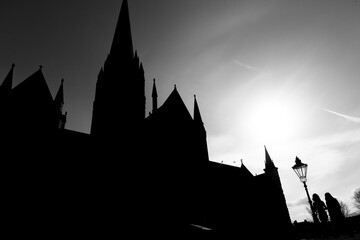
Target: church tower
[
  {"x": 119, "y": 105},
  {"x": 273, "y": 198}
]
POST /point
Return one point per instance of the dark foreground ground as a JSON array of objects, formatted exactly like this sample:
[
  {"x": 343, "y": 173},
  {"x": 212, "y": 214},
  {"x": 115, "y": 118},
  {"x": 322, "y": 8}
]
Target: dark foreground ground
[
  {"x": 356, "y": 236},
  {"x": 348, "y": 230}
]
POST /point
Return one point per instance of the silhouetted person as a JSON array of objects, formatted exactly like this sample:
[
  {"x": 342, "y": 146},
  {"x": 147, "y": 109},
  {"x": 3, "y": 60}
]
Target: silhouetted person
[
  {"x": 320, "y": 210},
  {"x": 335, "y": 213},
  {"x": 334, "y": 208}
]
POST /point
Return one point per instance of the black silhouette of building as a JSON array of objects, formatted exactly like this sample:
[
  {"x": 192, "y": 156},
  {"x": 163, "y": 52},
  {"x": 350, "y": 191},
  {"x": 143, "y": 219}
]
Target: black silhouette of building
[{"x": 132, "y": 174}]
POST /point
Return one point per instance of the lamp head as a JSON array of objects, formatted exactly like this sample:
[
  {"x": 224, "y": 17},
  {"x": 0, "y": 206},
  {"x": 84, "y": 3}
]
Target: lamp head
[{"x": 300, "y": 169}]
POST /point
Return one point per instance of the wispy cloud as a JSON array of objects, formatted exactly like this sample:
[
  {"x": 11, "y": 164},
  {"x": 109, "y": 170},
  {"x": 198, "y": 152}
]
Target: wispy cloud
[
  {"x": 246, "y": 66},
  {"x": 299, "y": 202},
  {"x": 347, "y": 117}
]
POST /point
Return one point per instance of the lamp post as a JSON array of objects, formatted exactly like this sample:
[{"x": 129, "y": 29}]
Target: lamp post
[{"x": 301, "y": 170}]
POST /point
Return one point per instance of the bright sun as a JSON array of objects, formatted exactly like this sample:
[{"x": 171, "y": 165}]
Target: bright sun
[{"x": 271, "y": 120}]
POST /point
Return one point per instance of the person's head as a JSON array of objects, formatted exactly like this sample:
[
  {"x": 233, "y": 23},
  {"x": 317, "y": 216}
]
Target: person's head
[
  {"x": 315, "y": 197},
  {"x": 328, "y": 196}
]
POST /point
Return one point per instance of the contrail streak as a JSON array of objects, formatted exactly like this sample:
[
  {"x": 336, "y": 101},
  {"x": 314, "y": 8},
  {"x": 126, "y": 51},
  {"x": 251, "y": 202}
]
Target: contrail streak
[
  {"x": 347, "y": 117},
  {"x": 244, "y": 65}
]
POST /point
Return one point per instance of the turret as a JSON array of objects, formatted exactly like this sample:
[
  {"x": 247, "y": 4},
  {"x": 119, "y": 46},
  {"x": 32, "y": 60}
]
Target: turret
[
  {"x": 270, "y": 168},
  {"x": 154, "y": 96},
  {"x": 199, "y": 127},
  {"x": 197, "y": 115},
  {"x": 58, "y": 105}
]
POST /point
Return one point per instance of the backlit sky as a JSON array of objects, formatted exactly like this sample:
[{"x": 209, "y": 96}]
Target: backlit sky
[{"x": 280, "y": 73}]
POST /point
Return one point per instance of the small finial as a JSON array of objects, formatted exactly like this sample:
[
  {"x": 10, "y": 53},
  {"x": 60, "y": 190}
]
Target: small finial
[
  {"x": 241, "y": 161},
  {"x": 174, "y": 86},
  {"x": 194, "y": 95},
  {"x": 62, "y": 81},
  {"x": 13, "y": 65},
  {"x": 41, "y": 66},
  {"x": 154, "y": 80}
]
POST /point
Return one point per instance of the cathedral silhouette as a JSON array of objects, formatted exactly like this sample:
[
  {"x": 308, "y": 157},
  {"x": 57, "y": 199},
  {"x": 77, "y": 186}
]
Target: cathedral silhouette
[{"x": 133, "y": 174}]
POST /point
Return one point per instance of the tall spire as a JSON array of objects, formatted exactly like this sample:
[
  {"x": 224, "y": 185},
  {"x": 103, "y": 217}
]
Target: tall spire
[
  {"x": 6, "y": 86},
  {"x": 269, "y": 164},
  {"x": 197, "y": 115},
  {"x": 122, "y": 42},
  {"x": 154, "y": 97},
  {"x": 122, "y": 71}
]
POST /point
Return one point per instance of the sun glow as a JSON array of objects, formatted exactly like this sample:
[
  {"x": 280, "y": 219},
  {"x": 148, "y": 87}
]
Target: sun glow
[{"x": 272, "y": 119}]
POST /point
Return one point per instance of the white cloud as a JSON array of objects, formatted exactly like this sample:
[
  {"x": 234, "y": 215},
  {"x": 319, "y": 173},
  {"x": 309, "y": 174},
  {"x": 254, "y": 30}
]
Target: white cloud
[{"x": 299, "y": 202}]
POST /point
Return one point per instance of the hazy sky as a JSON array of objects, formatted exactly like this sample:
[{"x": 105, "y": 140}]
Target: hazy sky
[{"x": 280, "y": 73}]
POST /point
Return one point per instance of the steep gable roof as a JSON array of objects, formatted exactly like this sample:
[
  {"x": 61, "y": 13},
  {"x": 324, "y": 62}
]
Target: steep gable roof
[
  {"x": 33, "y": 90},
  {"x": 173, "y": 109}
]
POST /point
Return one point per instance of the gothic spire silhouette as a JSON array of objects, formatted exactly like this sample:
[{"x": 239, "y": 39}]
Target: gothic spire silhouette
[
  {"x": 122, "y": 45},
  {"x": 123, "y": 73}
]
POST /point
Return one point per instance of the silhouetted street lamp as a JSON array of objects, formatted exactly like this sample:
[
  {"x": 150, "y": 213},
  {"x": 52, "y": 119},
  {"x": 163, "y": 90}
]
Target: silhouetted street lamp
[{"x": 301, "y": 170}]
